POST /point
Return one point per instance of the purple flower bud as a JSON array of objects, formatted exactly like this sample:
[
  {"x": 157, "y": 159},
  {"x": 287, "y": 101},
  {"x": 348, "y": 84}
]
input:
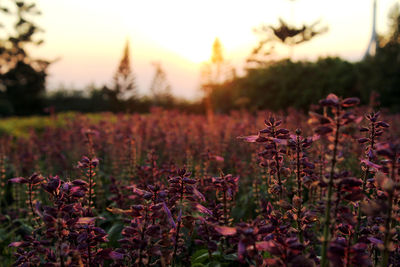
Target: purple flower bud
[{"x": 350, "y": 102}]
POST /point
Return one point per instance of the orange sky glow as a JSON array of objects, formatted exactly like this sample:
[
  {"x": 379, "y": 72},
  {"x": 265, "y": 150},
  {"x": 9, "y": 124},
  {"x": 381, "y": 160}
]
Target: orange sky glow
[{"x": 88, "y": 36}]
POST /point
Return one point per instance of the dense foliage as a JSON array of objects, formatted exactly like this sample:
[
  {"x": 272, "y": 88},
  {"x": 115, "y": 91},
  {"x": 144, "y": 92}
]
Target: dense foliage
[
  {"x": 22, "y": 77},
  {"x": 277, "y": 85},
  {"x": 174, "y": 189},
  {"x": 287, "y": 84}
]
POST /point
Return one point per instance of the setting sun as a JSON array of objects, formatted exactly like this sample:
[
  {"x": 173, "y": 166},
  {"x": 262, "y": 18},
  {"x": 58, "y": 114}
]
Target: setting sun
[{"x": 184, "y": 28}]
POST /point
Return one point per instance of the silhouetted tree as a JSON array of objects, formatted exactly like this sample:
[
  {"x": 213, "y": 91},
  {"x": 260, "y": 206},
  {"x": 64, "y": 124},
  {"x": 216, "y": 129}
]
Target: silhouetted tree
[
  {"x": 284, "y": 34},
  {"x": 25, "y": 88},
  {"x": 160, "y": 89},
  {"x": 217, "y": 60},
  {"x": 22, "y": 78},
  {"x": 211, "y": 76},
  {"x": 124, "y": 80}
]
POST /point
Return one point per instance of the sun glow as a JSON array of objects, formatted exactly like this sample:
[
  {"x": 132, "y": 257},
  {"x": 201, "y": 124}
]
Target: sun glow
[
  {"x": 186, "y": 28},
  {"x": 88, "y": 36}
]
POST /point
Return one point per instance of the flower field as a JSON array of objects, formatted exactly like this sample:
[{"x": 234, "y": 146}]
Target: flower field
[{"x": 175, "y": 189}]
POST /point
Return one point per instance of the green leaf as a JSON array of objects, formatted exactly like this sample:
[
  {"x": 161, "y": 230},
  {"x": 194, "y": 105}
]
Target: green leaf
[
  {"x": 214, "y": 264},
  {"x": 115, "y": 233},
  {"x": 216, "y": 254},
  {"x": 231, "y": 257},
  {"x": 200, "y": 256}
]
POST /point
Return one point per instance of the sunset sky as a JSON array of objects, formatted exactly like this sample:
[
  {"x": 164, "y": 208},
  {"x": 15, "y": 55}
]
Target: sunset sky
[{"x": 88, "y": 36}]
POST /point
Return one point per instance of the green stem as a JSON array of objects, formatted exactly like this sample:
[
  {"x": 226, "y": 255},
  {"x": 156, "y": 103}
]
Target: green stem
[
  {"x": 364, "y": 185},
  {"x": 208, "y": 239},
  {"x": 326, "y": 237},
  {"x": 90, "y": 184},
  {"x": 143, "y": 235},
  {"x": 386, "y": 243},
  {"x": 299, "y": 190},
  {"x": 278, "y": 172},
  {"x": 385, "y": 259},
  {"x": 348, "y": 251},
  {"x": 89, "y": 251},
  {"x": 179, "y": 225}
]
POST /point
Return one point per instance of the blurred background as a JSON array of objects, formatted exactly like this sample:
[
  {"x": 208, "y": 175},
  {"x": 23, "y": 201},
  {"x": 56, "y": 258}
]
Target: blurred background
[{"x": 196, "y": 56}]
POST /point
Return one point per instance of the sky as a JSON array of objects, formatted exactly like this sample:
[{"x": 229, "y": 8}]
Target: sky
[{"x": 87, "y": 37}]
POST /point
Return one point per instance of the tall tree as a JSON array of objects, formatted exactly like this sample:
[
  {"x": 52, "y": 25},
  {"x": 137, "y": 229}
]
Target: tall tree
[
  {"x": 124, "y": 79},
  {"x": 211, "y": 76},
  {"x": 217, "y": 60},
  {"x": 22, "y": 77},
  {"x": 160, "y": 89}
]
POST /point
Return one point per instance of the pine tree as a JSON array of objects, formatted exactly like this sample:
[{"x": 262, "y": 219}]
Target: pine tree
[
  {"x": 124, "y": 79},
  {"x": 211, "y": 76},
  {"x": 217, "y": 59},
  {"x": 160, "y": 89}
]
